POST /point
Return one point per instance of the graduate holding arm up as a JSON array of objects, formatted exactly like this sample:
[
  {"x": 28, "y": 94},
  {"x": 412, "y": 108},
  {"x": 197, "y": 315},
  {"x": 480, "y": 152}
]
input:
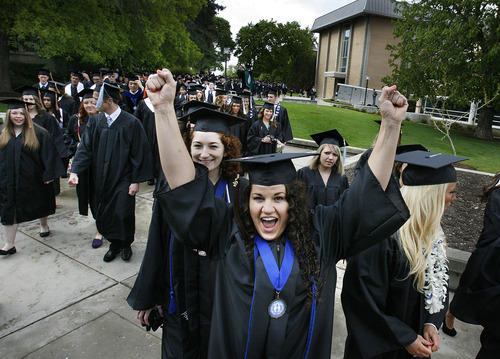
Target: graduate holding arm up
[{"x": 273, "y": 258}]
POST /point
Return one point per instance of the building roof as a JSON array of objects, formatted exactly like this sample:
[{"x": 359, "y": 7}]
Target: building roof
[{"x": 357, "y": 8}]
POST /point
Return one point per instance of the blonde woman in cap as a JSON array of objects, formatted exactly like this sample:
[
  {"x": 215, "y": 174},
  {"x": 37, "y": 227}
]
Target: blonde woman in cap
[
  {"x": 325, "y": 178},
  {"x": 395, "y": 293}
]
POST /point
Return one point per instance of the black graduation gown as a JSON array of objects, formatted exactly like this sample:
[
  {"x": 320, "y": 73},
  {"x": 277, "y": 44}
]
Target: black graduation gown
[
  {"x": 337, "y": 231},
  {"x": 22, "y": 176},
  {"x": 68, "y": 104},
  {"x": 84, "y": 189},
  {"x": 255, "y": 135},
  {"x": 240, "y": 130},
  {"x": 185, "y": 332},
  {"x": 317, "y": 192},
  {"x": 147, "y": 118},
  {"x": 284, "y": 121},
  {"x": 384, "y": 313},
  {"x": 117, "y": 156},
  {"x": 50, "y": 123},
  {"x": 477, "y": 299}
]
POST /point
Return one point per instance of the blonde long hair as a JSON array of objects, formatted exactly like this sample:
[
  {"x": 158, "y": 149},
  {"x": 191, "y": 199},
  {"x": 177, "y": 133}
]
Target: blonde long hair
[
  {"x": 418, "y": 234},
  {"x": 28, "y": 133},
  {"x": 337, "y": 167}
]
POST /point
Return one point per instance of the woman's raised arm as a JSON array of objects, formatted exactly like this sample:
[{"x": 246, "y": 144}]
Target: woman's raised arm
[
  {"x": 393, "y": 108},
  {"x": 174, "y": 157}
]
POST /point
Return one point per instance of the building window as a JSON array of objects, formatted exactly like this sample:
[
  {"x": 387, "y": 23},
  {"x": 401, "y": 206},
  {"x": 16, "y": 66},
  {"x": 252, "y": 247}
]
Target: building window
[{"x": 344, "y": 50}]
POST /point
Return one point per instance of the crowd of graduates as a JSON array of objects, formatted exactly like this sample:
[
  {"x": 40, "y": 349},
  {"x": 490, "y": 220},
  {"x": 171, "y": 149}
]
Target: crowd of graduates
[{"x": 241, "y": 252}]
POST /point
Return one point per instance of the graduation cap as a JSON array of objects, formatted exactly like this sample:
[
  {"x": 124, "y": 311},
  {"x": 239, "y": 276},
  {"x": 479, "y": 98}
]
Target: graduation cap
[
  {"x": 50, "y": 94},
  {"x": 237, "y": 100},
  {"x": 86, "y": 93},
  {"x": 194, "y": 88},
  {"x": 56, "y": 85},
  {"x": 272, "y": 169},
  {"x": 332, "y": 137},
  {"x": 110, "y": 91},
  {"x": 77, "y": 74},
  {"x": 426, "y": 168},
  {"x": 208, "y": 120},
  {"x": 410, "y": 148},
  {"x": 44, "y": 72},
  {"x": 15, "y": 103},
  {"x": 219, "y": 92},
  {"x": 272, "y": 91},
  {"x": 27, "y": 90},
  {"x": 195, "y": 105},
  {"x": 268, "y": 105}
]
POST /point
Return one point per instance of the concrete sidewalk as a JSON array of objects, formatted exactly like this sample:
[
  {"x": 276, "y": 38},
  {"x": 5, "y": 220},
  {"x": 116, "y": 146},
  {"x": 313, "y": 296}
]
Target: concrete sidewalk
[{"x": 58, "y": 299}]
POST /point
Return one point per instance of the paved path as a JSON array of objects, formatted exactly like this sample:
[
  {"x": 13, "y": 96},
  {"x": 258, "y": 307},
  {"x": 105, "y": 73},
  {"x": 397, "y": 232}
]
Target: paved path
[{"x": 58, "y": 299}]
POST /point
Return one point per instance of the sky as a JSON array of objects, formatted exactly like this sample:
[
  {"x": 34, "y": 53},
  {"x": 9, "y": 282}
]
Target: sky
[{"x": 240, "y": 13}]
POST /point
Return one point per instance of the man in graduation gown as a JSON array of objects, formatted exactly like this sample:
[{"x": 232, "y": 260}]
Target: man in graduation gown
[
  {"x": 134, "y": 95},
  {"x": 73, "y": 88},
  {"x": 43, "y": 77},
  {"x": 115, "y": 146},
  {"x": 280, "y": 115}
]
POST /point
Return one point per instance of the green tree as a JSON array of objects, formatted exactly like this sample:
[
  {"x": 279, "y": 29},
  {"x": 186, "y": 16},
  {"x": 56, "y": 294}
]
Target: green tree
[
  {"x": 278, "y": 52},
  {"x": 450, "y": 50},
  {"x": 129, "y": 34},
  {"x": 210, "y": 32}
]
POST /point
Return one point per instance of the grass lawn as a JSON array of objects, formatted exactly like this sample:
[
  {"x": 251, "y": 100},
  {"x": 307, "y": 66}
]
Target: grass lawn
[{"x": 359, "y": 130}]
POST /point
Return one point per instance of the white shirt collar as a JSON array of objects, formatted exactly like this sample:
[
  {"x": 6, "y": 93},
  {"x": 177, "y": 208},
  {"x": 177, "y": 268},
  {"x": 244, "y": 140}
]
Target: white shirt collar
[{"x": 115, "y": 114}]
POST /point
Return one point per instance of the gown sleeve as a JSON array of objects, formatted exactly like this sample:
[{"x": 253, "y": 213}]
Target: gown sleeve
[
  {"x": 195, "y": 215},
  {"x": 360, "y": 218},
  {"x": 367, "y": 286},
  {"x": 141, "y": 156},
  {"x": 254, "y": 138},
  {"x": 52, "y": 163},
  {"x": 477, "y": 299},
  {"x": 83, "y": 155},
  {"x": 71, "y": 136}
]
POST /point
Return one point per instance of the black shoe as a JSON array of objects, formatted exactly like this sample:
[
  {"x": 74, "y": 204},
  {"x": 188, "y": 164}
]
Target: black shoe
[
  {"x": 126, "y": 253},
  {"x": 451, "y": 332},
  {"x": 111, "y": 254},
  {"x": 45, "y": 234},
  {"x": 8, "y": 251}
]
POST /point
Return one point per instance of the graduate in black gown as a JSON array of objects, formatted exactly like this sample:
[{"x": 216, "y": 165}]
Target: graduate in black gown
[
  {"x": 176, "y": 277},
  {"x": 240, "y": 130},
  {"x": 273, "y": 221},
  {"x": 280, "y": 114},
  {"x": 72, "y": 136},
  {"x": 477, "y": 299},
  {"x": 325, "y": 178},
  {"x": 28, "y": 163},
  {"x": 265, "y": 134},
  {"x": 115, "y": 148},
  {"x": 395, "y": 294}
]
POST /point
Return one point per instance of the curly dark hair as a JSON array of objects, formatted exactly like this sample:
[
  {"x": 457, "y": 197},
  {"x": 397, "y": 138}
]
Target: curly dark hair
[
  {"x": 232, "y": 149},
  {"x": 490, "y": 187},
  {"x": 298, "y": 230}
]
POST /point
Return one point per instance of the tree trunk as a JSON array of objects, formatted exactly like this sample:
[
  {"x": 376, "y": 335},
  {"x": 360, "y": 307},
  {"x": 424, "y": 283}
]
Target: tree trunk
[
  {"x": 484, "y": 123},
  {"x": 5, "y": 86}
]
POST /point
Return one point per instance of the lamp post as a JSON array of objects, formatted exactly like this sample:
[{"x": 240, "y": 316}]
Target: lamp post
[
  {"x": 227, "y": 51},
  {"x": 366, "y": 89}
]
